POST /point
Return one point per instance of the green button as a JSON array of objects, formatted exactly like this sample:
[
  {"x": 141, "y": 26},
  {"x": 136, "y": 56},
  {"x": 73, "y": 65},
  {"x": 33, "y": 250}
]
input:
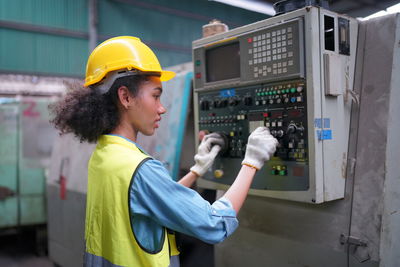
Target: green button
[
  {"x": 282, "y": 172},
  {"x": 292, "y": 90},
  {"x": 197, "y": 62},
  {"x": 273, "y": 172},
  {"x": 274, "y": 92},
  {"x": 270, "y": 92}
]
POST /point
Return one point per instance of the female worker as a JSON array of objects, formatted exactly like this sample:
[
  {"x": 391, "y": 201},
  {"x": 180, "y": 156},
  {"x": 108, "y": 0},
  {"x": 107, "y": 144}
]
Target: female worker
[{"x": 132, "y": 203}]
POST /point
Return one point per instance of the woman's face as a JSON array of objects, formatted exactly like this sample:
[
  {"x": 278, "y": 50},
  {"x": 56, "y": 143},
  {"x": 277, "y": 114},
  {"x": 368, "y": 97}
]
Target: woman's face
[{"x": 145, "y": 114}]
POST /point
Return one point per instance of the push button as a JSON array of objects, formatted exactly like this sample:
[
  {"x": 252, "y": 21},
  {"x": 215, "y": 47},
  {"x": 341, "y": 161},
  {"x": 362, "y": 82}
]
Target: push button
[
  {"x": 218, "y": 173},
  {"x": 283, "y": 172}
]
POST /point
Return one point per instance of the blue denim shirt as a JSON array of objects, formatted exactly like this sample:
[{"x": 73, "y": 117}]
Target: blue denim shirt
[{"x": 157, "y": 201}]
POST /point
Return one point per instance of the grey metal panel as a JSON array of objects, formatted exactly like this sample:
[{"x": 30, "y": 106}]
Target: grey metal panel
[
  {"x": 337, "y": 109},
  {"x": 66, "y": 227},
  {"x": 371, "y": 149},
  {"x": 390, "y": 241},
  {"x": 66, "y": 217},
  {"x": 250, "y": 248},
  {"x": 284, "y": 233}
]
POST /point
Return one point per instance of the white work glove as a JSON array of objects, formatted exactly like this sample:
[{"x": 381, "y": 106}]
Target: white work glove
[
  {"x": 208, "y": 150},
  {"x": 260, "y": 147}
]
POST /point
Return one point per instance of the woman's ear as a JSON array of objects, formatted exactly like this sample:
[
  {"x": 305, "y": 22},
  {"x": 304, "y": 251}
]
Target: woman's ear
[{"x": 125, "y": 97}]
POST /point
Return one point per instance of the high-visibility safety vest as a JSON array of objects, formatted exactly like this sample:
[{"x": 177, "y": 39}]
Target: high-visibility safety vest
[{"x": 108, "y": 232}]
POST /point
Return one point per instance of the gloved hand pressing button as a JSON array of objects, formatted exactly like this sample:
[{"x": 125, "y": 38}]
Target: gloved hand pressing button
[
  {"x": 260, "y": 147},
  {"x": 208, "y": 150}
]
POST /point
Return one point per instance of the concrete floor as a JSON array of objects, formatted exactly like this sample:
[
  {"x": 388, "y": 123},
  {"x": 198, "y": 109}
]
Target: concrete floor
[{"x": 18, "y": 250}]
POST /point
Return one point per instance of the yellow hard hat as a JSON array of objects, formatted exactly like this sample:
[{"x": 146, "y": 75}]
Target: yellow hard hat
[{"x": 123, "y": 52}]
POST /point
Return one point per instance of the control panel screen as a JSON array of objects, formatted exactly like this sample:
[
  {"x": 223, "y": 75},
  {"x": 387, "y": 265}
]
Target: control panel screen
[{"x": 223, "y": 62}]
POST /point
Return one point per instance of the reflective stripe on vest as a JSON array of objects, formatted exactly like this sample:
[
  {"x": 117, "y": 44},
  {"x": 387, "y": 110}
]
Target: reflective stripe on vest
[{"x": 108, "y": 231}]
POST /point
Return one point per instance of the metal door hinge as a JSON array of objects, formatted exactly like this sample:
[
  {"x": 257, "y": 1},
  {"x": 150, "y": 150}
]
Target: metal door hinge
[
  {"x": 352, "y": 240},
  {"x": 358, "y": 247}
]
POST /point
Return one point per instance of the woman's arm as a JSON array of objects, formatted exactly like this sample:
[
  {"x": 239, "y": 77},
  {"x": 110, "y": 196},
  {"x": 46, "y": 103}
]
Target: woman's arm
[
  {"x": 188, "y": 179},
  {"x": 260, "y": 147},
  {"x": 237, "y": 193},
  {"x": 155, "y": 196}
]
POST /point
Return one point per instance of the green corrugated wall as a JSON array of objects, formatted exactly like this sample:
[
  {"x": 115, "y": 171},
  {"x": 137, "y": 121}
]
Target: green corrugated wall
[{"x": 169, "y": 27}]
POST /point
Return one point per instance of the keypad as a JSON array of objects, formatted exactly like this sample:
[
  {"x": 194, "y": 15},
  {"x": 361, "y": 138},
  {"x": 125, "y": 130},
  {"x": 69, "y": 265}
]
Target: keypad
[{"x": 271, "y": 52}]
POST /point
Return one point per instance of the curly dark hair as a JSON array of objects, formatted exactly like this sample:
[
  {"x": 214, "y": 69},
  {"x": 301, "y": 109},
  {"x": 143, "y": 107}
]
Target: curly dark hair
[{"x": 87, "y": 113}]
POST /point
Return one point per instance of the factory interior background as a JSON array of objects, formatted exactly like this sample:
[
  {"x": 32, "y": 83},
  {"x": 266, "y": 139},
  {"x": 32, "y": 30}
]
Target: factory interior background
[{"x": 44, "y": 47}]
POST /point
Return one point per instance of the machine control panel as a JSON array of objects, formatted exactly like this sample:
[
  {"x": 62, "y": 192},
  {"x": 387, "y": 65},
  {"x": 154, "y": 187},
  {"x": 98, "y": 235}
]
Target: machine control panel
[
  {"x": 282, "y": 107},
  {"x": 290, "y": 73}
]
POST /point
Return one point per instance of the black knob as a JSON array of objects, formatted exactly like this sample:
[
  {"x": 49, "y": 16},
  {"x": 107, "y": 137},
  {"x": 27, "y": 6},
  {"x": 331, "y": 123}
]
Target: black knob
[
  {"x": 204, "y": 105},
  {"x": 248, "y": 101},
  {"x": 224, "y": 103},
  {"x": 217, "y": 103},
  {"x": 233, "y": 102},
  {"x": 279, "y": 133},
  {"x": 291, "y": 129},
  {"x": 225, "y": 145}
]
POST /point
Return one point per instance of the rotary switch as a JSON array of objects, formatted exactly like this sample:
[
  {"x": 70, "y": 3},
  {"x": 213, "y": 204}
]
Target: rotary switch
[
  {"x": 248, "y": 101},
  {"x": 233, "y": 102},
  {"x": 204, "y": 105}
]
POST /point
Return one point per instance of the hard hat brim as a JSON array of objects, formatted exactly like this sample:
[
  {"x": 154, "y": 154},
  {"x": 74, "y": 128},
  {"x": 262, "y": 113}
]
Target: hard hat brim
[{"x": 167, "y": 75}]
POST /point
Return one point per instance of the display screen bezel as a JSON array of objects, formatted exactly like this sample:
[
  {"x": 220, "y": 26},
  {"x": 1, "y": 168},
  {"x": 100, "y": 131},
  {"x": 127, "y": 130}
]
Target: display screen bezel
[{"x": 234, "y": 63}]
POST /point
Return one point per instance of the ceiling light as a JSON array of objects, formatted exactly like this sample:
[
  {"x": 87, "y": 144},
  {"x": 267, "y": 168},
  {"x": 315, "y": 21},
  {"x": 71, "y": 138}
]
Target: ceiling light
[
  {"x": 252, "y": 5},
  {"x": 390, "y": 10}
]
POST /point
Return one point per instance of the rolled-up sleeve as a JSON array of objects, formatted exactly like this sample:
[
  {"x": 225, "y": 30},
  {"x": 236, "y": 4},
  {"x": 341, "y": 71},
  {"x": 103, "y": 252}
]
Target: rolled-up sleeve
[{"x": 155, "y": 195}]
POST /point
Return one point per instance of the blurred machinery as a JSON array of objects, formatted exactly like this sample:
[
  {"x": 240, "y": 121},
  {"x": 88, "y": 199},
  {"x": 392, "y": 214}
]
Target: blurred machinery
[{"x": 25, "y": 149}]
